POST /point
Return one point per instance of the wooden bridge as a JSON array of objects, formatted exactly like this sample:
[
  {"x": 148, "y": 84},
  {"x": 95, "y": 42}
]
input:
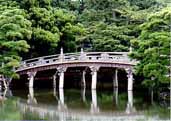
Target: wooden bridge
[{"x": 92, "y": 60}]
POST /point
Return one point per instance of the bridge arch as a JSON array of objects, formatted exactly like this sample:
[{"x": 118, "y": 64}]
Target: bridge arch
[{"x": 92, "y": 60}]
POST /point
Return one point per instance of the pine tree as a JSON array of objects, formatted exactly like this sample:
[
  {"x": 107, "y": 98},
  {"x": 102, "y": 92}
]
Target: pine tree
[
  {"x": 15, "y": 29},
  {"x": 151, "y": 48}
]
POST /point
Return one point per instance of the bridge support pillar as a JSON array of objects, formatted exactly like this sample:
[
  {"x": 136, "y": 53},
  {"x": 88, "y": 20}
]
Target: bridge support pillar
[
  {"x": 61, "y": 80},
  {"x": 61, "y": 71},
  {"x": 31, "y": 76},
  {"x": 83, "y": 82},
  {"x": 130, "y": 79},
  {"x": 115, "y": 79},
  {"x": 94, "y": 76},
  {"x": 54, "y": 83}
]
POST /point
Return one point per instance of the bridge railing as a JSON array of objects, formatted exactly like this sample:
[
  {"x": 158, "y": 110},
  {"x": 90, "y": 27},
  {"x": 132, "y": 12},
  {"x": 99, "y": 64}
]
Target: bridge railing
[{"x": 120, "y": 57}]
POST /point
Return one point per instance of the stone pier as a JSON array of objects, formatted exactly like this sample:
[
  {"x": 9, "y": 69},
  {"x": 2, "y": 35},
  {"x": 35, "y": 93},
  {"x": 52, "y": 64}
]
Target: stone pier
[
  {"x": 61, "y": 71},
  {"x": 94, "y": 70},
  {"x": 115, "y": 79},
  {"x": 31, "y": 76},
  {"x": 130, "y": 79}
]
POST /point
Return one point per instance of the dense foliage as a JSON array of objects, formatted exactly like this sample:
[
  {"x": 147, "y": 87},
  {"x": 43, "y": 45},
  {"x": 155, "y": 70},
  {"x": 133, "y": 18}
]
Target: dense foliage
[
  {"x": 15, "y": 29},
  {"x": 42, "y": 27},
  {"x": 151, "y": 48}
]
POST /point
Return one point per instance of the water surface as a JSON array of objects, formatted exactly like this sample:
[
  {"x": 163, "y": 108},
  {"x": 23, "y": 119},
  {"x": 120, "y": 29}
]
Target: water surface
[{"x": 81, "y": 105}]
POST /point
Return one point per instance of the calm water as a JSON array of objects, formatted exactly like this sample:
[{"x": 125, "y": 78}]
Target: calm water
[{"x": 81, "y": 105}]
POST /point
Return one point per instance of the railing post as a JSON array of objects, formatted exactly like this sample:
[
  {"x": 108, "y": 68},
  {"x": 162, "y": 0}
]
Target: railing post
[
  {"x": 82, "y": 55},
  {"x": 61, "y": 71},
  {"x": 130, "y": 79},
  {"x": 41, "y": 61},
  {"x": 130, "y": 49},
  {"x": 31, "y": 76},
  {"x": 104, "y": 56},
  {"x": 94, "y": 70},
  {"x": 82, "y": 51},
  {"x": 61, "y": 55}
]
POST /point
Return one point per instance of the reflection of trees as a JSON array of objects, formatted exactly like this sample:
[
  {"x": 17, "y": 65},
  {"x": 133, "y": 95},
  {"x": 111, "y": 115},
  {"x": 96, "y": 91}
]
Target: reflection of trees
[
  {"x": 9, "y": 110},
  {"x": 75, "y": 100},
  {"x": 162, "y": 112},
  {"x": 106, "y": 100},
  {"x": 103, "y": 99},
  {"x": 4, "y": 94}
]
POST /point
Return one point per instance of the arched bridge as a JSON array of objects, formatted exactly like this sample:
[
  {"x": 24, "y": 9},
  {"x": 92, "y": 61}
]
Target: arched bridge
[{"x": 92, "y": 60}]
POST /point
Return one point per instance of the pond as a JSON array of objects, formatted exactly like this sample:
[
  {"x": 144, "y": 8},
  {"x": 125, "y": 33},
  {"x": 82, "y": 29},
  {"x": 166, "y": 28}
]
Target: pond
[{"x": 81, "y": 105}]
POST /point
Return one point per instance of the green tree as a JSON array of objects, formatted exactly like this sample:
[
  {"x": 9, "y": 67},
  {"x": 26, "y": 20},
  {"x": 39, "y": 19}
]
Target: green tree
[
  {"x": 52, "y": 28},
  {"x": 151, "y": 48},
  {"x": 15, "y": 29},
  {"x": 108, "y": 25}
]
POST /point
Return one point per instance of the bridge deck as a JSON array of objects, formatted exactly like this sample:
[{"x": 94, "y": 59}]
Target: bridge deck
[{"x": 103, "y": 59}]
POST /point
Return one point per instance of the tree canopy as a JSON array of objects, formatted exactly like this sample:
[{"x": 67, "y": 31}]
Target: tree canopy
[
  {"x": 15, "y": 29},
  {"x": 151, "y": 48}
]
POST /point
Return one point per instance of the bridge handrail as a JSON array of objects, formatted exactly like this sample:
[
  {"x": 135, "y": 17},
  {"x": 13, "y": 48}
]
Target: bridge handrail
[
  {"x": 121, "y": 57},
  {"x": 42, "y": 57},
  {"x": 57, "y": 55}
]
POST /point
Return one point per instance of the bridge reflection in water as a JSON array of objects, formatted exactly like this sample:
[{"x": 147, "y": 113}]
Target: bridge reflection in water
[{"x": 62, "y": 112}]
